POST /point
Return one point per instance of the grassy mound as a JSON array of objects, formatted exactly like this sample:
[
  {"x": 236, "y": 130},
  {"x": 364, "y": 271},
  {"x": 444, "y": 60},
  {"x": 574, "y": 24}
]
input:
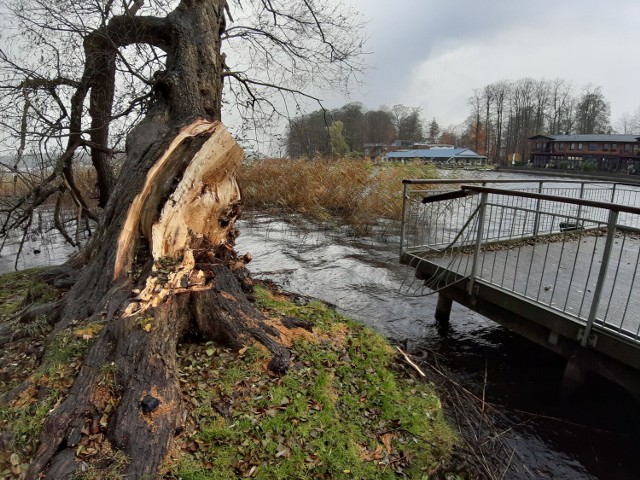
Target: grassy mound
[{"x": 341, "y": 412}]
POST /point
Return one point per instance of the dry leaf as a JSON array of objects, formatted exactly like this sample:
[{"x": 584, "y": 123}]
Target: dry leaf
[
  {"x": 386, "y": 440},
  {"x": 285, "y": 452}
]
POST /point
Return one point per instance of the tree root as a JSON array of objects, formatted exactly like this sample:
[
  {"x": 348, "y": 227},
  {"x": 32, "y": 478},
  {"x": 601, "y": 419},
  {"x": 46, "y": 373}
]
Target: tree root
[
  {"x": 140, "y": 350},
  {"x": 15, "y": 328}
]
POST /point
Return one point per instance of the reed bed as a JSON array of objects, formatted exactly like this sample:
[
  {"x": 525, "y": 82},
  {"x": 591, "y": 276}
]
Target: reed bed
[
  {"x": 354, "y": 191},
  {"x": 13, "y": 187}
]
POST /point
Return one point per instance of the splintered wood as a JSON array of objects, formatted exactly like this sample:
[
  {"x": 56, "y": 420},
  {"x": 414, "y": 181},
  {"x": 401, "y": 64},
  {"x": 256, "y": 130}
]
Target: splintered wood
[{"x": 200, "y": 211}]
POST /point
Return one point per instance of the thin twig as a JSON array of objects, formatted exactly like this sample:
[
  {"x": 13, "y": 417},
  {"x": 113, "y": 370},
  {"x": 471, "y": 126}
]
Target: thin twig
[
  {"x": 24, "y": 237},
  {"x": 58, "y": 224},
  {"x": 484, "y": 385},
  {"x": 410, "y": 362},
  {"x": 508, "y": 464}
]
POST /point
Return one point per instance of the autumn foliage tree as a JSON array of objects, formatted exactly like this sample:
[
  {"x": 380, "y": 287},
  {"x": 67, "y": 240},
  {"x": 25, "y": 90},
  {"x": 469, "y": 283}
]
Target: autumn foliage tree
[{"x": 147, "y": 81}]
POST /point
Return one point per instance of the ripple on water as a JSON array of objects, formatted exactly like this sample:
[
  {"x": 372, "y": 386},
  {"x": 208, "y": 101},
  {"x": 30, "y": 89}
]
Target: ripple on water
[{"x": 592, "y": 433}]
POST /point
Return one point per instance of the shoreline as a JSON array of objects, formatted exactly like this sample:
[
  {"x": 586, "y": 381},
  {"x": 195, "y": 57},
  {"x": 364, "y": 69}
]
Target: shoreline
[{"x": 625, "y": 179}]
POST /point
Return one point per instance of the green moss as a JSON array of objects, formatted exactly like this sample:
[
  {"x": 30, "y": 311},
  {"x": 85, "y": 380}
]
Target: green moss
[
  {"x": 22, "y": 422},
  {"x": 65, "y": 348},
  {"x": 323, "y": 318},
  {"x": 19, "y": 288},
  {"x": 340, "y": 412}
]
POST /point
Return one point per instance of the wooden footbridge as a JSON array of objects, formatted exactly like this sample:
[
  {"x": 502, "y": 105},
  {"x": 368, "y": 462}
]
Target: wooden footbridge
[{"x": 556, "y": 261}]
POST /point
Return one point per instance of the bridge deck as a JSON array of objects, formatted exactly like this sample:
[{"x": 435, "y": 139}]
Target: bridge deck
[
  {"x": 560, "y": 266},
  {"x": 549, "y": 305},
  {"x": 560, "y": 275}
]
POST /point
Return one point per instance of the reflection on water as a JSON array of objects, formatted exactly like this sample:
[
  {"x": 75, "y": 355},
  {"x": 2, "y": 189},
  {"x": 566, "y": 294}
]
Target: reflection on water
[{"x": 42, "y": 246}]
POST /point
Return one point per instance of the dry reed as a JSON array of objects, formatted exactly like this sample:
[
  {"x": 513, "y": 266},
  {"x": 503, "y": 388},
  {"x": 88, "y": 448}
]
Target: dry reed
[
  {"x": 13, "y": 187},
  {"x": 356, "y": 191}
]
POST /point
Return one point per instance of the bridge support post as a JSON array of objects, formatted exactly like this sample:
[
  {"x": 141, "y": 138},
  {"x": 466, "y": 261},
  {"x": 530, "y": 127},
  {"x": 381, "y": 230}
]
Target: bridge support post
[
  {"x": 443, "y": 308},
  {"x": 575, "y": 375}
]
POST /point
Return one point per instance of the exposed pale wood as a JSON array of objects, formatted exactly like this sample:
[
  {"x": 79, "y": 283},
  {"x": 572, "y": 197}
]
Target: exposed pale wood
[
  {"x": 205, "y": 195},
  {"x": 130, "y": 229},
  {"x": 199, "y": 213}
]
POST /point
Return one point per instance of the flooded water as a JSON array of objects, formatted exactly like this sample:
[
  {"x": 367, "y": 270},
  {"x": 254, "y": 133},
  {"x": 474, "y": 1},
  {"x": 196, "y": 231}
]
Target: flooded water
[
  {"x": 42, "y": 246},
  {"x": 590, "y": 433},
  {"x": 593, "y": 432}
]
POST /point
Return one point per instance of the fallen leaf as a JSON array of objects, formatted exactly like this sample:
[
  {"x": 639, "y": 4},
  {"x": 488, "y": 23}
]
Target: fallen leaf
[
  {"x": 285, "y": 452},
  {"x": 386, "y": 440}
]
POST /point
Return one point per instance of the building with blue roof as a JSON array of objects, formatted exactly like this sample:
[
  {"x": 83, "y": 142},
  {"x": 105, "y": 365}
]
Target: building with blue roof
[{"x": 448, "y": 156}]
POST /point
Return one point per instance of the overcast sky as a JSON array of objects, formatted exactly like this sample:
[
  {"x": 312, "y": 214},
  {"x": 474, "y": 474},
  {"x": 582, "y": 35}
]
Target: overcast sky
[{"x": 433, "y": 53}]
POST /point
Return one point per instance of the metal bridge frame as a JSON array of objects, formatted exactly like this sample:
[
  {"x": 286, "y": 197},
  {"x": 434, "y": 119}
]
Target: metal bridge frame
[{"x": 473, "y": 224}]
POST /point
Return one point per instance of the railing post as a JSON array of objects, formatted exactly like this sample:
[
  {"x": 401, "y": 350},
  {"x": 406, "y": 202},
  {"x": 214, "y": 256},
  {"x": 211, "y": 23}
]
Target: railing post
[
  {"x": 602, "y": 275},
  {"x": 578, "y": 216},
  {"x": 613, "y": 193},
  {"x": 536, "y": 221},
  {"x": 405, "y": 197},
  {"x": 481, "y": 214}
]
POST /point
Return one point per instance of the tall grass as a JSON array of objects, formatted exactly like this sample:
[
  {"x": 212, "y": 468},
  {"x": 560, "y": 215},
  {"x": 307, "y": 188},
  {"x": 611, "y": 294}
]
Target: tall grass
[
  {"x": 13, "y": 187},
  {"x": 356, "y": 191}
]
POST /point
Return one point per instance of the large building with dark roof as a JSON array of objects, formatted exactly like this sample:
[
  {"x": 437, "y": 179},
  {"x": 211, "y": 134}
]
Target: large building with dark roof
[{"x": 609, "y": 153}]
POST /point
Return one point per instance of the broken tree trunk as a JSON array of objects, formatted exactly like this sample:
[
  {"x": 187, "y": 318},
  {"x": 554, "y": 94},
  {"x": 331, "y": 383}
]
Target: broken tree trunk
[{"x": 163, "y": 267}]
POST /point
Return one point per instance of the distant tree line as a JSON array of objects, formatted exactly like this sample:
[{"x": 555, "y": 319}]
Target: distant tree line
[
  {"x": 502, "y": 116},
  {"x": 347, "y": 129}
]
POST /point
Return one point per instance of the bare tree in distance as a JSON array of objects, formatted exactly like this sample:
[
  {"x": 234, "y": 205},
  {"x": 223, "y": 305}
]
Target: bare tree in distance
[
  {"x": 593, "y": 112},
  {"x": 408, "y": 122},
  {"x": 503, "y": 115},
  {"x": 307, "y": 134},
  {"x": 628, "y": 123},
  {"x": 434, "y": 131},
  {"x": 379, "y": 127},
  {"x": 149, "y": 80},
  {"x": 475, "y": 121}
]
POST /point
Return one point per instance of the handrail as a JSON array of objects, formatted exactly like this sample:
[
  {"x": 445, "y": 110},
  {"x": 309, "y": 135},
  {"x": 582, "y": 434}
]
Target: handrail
[
  {"x": 545, "y": 244},
  {"x": 553, "y": 198},
  {"x": 442, "y": 181}
]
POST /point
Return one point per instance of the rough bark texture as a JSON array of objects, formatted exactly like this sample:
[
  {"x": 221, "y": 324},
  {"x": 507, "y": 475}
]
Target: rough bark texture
[
  {"x": 160, "y": 280},
  {"x": 162, "y": 265}
]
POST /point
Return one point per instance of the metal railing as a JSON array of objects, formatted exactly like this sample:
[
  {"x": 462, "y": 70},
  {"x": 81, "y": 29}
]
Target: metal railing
[{"x": 564, "y": 245}]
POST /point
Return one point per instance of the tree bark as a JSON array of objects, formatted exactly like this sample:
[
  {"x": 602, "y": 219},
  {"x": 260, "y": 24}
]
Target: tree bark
[{"x": 162, "y": 264}]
